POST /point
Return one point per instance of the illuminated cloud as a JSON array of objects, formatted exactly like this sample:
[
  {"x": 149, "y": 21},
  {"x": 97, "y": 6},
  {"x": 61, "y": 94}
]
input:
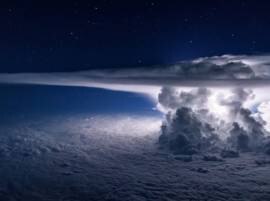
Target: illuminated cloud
[
  {"x": 263, "y": 113},
  {"x": 199, "y": 120},
  {"x": 215, "y": 96}
]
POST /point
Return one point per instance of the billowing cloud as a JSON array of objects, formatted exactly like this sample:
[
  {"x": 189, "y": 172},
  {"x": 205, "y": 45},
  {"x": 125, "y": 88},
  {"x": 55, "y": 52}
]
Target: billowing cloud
[
  {"x": 202, "y": 119},
  {"x": 263, "y": 114},
  {"x": 170, "y": 98}
]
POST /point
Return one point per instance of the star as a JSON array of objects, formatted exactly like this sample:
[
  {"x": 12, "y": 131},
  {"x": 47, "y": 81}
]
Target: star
[{"x": 73, "y": 35}]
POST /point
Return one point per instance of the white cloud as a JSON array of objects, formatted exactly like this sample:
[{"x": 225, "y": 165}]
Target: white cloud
[
  {"x": 263, "y": 113},
  {"x": 220, "y": 71},
  {"x": 123, "y": 125}
]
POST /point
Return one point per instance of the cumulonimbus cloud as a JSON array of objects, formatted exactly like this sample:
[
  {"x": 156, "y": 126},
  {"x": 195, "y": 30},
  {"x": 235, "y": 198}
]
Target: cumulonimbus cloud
[
  {"x": 218, "y": 71},
  {"x": 222, "y": 104}
]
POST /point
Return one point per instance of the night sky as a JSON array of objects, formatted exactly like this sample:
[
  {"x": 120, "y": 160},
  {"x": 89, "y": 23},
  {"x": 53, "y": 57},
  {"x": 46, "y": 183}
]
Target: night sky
[
  {"x": 125, "y": 100},
  {"x": 42, "y": 36}
]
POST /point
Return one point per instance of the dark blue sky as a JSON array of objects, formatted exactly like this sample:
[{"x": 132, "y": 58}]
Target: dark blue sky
[
  {"x": 29, "y": 100},
  {"x": 45, "y": 36}
]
